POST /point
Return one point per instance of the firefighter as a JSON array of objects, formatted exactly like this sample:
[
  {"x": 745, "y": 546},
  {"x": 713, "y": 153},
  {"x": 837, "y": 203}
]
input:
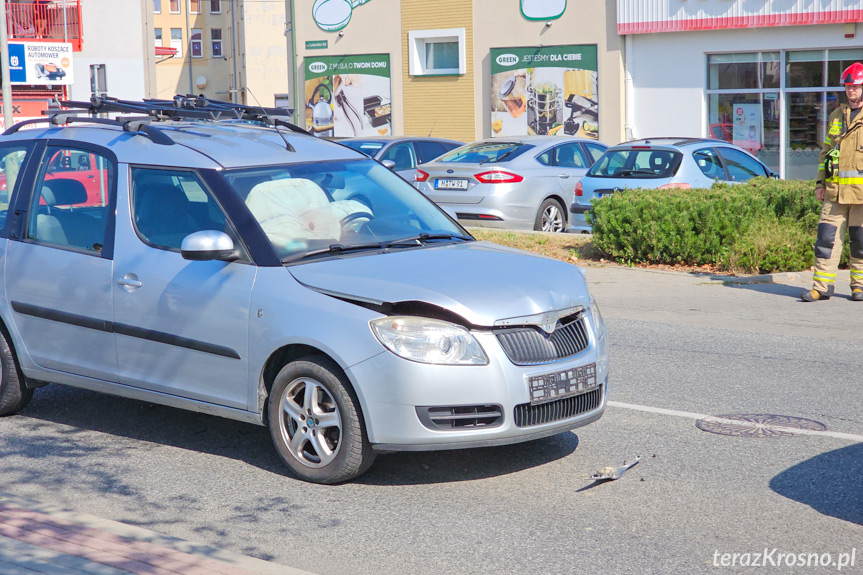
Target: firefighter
[{"x": 840, "y": 189}]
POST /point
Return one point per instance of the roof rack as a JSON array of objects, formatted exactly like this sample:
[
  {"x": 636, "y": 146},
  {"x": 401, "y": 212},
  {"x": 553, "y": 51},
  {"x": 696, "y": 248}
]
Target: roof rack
[
  {"x": 152, "y": 110},
  {"x": 138, "y": 124}
]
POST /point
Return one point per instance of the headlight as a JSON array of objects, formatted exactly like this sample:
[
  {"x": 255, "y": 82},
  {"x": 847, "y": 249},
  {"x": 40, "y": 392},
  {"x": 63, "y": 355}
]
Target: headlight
[
  {"x": 428, "y": 340},
  {"x": 596, "y": 316}
]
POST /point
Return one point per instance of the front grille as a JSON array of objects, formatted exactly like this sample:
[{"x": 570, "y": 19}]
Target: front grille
[
  {"x": 527, "y": 415},
  {"x": 457, "y": 417},
  {"x": 531, "y": 345}
]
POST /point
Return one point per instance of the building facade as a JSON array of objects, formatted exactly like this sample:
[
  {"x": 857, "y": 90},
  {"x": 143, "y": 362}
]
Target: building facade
[
  {"x": 62, "y": 49},
  {"x": 764, "y": 75},
  {"x": 461, "y": 69}
]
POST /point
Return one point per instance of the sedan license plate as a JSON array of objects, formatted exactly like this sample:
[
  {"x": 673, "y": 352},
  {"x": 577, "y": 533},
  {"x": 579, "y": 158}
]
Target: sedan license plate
[
  {"x": 441, "y": 184},
  {"x": 551, "y": 386}
]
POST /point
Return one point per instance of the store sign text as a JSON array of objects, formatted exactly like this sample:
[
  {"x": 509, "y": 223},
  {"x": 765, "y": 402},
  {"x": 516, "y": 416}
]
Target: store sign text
[{"x": 507, "y": 59}]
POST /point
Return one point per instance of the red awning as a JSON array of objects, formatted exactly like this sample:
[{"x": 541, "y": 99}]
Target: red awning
[{"x": 165, "y": 51}]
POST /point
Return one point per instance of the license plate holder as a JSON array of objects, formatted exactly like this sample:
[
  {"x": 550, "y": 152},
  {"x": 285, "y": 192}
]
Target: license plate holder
[
  {"x": 450, "y": 184},
  {"x": 559, "y": 384}
]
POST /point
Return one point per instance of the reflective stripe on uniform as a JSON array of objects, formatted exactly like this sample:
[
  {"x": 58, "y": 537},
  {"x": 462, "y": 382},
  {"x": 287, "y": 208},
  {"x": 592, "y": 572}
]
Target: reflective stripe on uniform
[
  {"x": 847, "y": 181},
  {"x": 824, "y": 277},
  {"x": 857, "y": 273}
]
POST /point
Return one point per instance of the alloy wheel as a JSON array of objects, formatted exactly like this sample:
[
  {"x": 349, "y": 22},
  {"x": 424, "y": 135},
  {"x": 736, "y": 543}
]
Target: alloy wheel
[
  {"x": 552, "y": 219},
  {"x": 310, "y": 422}
]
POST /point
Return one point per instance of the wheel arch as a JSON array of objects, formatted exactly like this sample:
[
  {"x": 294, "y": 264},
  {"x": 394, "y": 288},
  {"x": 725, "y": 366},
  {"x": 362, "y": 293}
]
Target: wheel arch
[{"x": 291, "y": 352}]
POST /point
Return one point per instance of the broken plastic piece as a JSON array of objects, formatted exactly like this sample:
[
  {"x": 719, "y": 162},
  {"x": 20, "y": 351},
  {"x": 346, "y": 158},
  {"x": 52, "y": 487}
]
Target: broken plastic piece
[{"x": 612, "y": 473}]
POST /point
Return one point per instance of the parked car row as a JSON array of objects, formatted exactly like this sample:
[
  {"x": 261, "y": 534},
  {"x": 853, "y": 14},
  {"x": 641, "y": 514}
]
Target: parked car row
[{"x": 547, "y": 183}]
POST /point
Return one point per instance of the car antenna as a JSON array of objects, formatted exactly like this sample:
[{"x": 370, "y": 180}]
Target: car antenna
[
  {"x": 432, "y": 128},
  {"x": 272, "y": 122}
]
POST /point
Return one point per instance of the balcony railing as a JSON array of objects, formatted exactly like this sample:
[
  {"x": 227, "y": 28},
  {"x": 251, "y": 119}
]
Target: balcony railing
[{"x": 45, "y": 21}]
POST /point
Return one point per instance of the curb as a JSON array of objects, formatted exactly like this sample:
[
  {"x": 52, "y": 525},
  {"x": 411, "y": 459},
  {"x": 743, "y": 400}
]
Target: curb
[{"x": 243, "y": 562}]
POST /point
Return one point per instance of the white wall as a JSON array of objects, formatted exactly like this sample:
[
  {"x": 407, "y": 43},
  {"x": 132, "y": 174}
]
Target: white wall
[
  {"x": 114, "y": 35},
  {"x": 670, "y": 70}
]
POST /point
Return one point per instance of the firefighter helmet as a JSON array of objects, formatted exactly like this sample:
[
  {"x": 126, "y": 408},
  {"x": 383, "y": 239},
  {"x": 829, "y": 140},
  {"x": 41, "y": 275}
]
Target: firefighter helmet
[{"x": 853, "y": 75}]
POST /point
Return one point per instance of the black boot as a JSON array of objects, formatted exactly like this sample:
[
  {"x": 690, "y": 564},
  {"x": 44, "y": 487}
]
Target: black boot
[{"x": 815, "y": 295}]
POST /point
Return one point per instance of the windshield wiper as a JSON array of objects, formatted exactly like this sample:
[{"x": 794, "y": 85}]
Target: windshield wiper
[
  {"x": 422, "y": 238},
  {"x": 634, "y": 172},
  {"x": 498, "y": 159}
]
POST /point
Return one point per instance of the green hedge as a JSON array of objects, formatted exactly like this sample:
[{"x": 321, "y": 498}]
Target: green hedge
[{"x": 761, "y": 226}]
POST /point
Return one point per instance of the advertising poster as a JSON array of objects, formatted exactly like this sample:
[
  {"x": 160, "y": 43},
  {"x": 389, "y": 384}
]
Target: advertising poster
[
  {"x": 545, "y": 90},
  {"x": 347, "y": 96},
  {"x": 40, "y": 63},
  {"x": 746, "y": 131}
]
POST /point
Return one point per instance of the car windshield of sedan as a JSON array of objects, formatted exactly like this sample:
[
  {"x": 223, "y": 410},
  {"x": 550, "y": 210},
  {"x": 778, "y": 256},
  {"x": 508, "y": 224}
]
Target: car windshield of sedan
[
  {"x": 637, "y": 163},
  {"x": 369, "y": 148},
  {"x": 334, "y": 208},
  {"x": 485, "y": 153}
]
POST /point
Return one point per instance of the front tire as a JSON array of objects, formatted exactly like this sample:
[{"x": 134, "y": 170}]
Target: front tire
[
  {"x": 316, "y": 424},
  {"x": 14, "y": 396},
  {"x": 550, "y": 217}
]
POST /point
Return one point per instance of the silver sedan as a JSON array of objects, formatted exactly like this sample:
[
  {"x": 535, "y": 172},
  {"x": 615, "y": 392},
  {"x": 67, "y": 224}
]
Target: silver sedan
[{"x": 515, "y": 183}]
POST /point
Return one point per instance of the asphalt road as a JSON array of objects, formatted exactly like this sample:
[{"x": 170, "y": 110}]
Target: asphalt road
[{"x": 678, "y": 342}]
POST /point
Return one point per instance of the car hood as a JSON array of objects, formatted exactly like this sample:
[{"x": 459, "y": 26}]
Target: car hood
[{"x": 479, "y": 281}]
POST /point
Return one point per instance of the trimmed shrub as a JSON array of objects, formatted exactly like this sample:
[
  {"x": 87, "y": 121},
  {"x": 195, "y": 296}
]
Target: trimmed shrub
[
  {"x": 762, "y": 224},
  {"x": 771, "y": 245}
]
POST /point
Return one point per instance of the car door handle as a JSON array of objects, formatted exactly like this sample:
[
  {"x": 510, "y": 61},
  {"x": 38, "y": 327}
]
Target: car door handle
[
  {"x": 129, "y": 280},
  {"x": 563, "y": 176}
]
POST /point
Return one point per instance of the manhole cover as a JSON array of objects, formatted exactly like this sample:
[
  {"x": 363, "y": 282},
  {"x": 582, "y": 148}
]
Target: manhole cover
[{"x": 758, "y": 425}]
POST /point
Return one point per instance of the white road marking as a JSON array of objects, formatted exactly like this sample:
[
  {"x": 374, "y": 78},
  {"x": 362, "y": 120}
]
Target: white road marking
[{"x": 691, "y": 415}]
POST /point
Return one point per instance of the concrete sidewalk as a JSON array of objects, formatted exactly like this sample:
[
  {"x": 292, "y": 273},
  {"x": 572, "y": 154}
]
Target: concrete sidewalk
[{"x": 39, "y": 538}]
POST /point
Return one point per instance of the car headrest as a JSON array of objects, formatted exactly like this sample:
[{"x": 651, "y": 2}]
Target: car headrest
[{"x": 63, "y": 192}]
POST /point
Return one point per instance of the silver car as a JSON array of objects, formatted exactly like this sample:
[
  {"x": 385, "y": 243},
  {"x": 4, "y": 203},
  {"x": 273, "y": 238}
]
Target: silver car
[
  {"x": 282, "y": 280},
  {"x": 515, "y": 183},
  {"x": 405, "y": 152},
  {"x": 662, "y": 163}
]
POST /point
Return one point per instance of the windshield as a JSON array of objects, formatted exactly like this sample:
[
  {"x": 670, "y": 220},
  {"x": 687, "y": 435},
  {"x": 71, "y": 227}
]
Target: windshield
[
  {"x": 364, "y": 146},
  {"x": 335, "y": 207},
  {"x": 485, "y": 153},
  {"x": 637, "y": 164}
]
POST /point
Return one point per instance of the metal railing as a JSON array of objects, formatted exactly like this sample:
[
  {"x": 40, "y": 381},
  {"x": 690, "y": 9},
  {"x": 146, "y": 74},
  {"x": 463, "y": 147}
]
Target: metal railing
[{"x": 45, "y": 21}]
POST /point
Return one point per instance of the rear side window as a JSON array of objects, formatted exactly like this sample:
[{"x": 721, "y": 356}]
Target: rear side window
[
  {"x": 741, "y": 167},
  {"x": 486, "y": 153},
  {"x": 428, "y": 151},
  {"x": 569, "y": 156},
  {"x": 637, "y": 164},
  {"x": 708, "y": 162},
  {"x": 70, "y": 208}
]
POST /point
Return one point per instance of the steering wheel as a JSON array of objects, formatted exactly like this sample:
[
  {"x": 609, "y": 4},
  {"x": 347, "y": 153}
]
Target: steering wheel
[{"x": 346, "y": 221}]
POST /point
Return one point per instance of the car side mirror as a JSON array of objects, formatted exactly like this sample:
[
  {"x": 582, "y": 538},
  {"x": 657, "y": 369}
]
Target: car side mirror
[
  {"x": 774, "y": 175},
  {"x": 389, "y": 164},
  {"x": 208, "y": 245}
]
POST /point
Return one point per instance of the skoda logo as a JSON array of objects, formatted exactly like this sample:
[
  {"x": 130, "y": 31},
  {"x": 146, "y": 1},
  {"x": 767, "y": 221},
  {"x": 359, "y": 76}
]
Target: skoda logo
[
  {"x": 507, "y": 60},
  {"x": 317, "y": 67}
]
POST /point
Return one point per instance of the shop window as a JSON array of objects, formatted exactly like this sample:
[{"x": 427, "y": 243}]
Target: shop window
[
  {"x": 197, "y": 39},
  {"x": 744, "y": 71},
  {"x": 838, "y": 60},
  {"x": 805, "y": 69},
  {"x": 177, "y": 41},
  {"x": 437, "y": 52},
  {"x": 216, "y": 35}
]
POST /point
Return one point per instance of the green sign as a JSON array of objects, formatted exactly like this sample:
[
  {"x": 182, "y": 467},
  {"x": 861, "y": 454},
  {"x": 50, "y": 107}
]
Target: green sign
[
  {"x": 316, "y": 44},
  {"x": 368, "y": 64},
  {"x": 572, "y": 57}
]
